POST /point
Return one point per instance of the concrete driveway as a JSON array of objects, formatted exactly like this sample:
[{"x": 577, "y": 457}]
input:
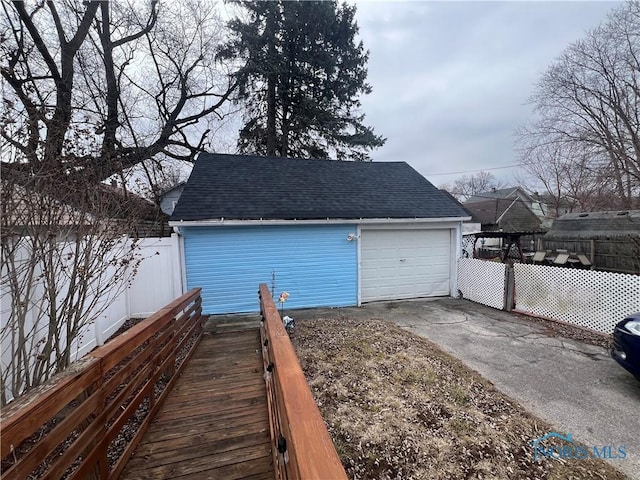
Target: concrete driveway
[{"x": 574, "y": 386}]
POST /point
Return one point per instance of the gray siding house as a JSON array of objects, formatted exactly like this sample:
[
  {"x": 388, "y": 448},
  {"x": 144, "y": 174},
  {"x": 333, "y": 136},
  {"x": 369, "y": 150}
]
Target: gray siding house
[{"x": 169, "y": 199}]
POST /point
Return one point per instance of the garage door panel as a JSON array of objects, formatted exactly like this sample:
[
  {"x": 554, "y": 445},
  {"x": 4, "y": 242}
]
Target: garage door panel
[
  {"x": 387, "y": 254},
  {"x": 398, "y": 264}
]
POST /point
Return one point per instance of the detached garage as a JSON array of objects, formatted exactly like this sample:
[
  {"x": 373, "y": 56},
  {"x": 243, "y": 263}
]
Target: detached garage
[{"x": 329, "y": 233}]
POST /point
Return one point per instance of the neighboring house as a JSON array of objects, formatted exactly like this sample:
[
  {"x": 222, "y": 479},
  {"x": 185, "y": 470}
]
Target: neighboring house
[
  {"x": 150, "y": 220},
  {"x": 554, "y": 207},
  {"x": 144, "y": 218},
  {"x": 469, "y": 226},
  {"x": 610, "y": 239},
  {"x": 503, "y": 214},
  {"x": 169, "y": 198},
  {"x": 66, "y": 212},
  {"x": 511, "y": 193},
  {"x": 330, "y": 233}
]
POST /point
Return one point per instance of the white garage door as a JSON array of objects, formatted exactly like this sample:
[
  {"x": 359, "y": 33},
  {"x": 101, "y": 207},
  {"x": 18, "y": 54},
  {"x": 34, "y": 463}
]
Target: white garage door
[{"x": 397, "y": 264}]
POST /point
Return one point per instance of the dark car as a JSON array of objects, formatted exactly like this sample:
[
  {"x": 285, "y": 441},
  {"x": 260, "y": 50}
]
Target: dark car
[{"x": 626, "y": 344}]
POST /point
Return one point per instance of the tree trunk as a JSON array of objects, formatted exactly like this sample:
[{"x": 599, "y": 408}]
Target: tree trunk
[
  {"x": 111, "y": 122},
  {"x": 284, "y": 151},
  {"x": 272, "y": 80},
  {"x": 284, "y": 97},
  {"x": 271, "y": 114}
]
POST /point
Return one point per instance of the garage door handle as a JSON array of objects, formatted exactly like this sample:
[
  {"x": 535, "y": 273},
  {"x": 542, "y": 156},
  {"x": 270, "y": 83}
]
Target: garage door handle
[{"x": 403, "y": 259}]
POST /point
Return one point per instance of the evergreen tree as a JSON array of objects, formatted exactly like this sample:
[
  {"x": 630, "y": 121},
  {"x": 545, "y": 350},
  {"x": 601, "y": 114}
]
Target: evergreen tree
[{"x": 301, "y": 79}]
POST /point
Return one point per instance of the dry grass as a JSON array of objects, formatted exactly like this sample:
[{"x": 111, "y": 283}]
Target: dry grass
[{"x": 398, "y": 407}]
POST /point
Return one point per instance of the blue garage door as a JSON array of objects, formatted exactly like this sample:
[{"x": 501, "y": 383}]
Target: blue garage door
[{"x": 317, "y": 265}]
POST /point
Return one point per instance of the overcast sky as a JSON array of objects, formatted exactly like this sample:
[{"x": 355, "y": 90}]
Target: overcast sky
[{"x": 451, "y": 80}]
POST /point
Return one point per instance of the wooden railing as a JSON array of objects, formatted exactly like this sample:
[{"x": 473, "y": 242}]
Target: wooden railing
[
  {"x": 87, "y": 422},
  {"x": 302, "y": 446}
]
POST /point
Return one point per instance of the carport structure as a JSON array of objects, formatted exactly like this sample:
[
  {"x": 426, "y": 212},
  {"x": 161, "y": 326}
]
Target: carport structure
[{"x": 509, "y": 250}]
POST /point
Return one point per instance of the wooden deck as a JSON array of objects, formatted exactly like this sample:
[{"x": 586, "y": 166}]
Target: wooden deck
[{"x": 214, "y": 424}]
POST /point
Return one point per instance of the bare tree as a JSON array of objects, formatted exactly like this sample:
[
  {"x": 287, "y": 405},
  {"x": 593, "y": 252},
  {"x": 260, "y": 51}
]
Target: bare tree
[
  {"x": 161, "y": 177},
  {"x": 587, "y": 118},
  {"x": 135, "y": 79},
  {"x": 565, "y": 177},
  {"x": 90, "y": 89},
  {"x": 468, "y": 185},
  {"x": 65, "y": 257}
]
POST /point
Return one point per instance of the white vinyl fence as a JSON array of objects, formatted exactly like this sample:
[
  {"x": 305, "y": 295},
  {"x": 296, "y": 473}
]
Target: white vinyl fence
[
  {"x": 158, "y": 281},
  {"x": 591, "y": 299},
  {"x": 587, "y": 298},
  {"x": 482, "y": 282}
]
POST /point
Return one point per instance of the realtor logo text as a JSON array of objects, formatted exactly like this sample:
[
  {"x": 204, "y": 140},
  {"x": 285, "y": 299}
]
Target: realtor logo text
[{"x": 554, "y": 445}]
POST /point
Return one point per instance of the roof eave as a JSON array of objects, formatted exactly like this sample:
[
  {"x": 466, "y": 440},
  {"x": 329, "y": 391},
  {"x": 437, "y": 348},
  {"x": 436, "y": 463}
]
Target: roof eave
[{"x": 221, "y": 222}]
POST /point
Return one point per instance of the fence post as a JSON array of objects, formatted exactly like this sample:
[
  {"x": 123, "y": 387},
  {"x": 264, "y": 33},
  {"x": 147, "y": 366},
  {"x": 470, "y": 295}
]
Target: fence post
[
  {"x": 179, "y": 269},
  {"x": 509, "y": 288}
]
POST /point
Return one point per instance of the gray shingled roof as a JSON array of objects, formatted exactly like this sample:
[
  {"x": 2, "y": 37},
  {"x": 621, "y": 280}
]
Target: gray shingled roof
[
  {"x": 488, "y": 211},
  {"x": 510, "y": 192},
  {"x": 517, "y": 215},
  {"x": 595, "y": 225},
  {"x": 237, "y": 187}
]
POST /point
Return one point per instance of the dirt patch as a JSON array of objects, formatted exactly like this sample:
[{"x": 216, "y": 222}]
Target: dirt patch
[
  {"x": 398, "y": 407},
  {"x": 561, "y": 329}
]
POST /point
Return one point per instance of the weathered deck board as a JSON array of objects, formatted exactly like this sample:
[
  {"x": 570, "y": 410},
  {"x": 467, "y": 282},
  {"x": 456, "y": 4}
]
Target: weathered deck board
[{"x": 214, "y": 424}]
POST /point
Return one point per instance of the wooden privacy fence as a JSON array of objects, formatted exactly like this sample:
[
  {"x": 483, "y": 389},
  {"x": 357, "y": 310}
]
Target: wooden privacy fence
[
  {"x": 87, "y": 422},
  {"x": 302, "y": 446}
]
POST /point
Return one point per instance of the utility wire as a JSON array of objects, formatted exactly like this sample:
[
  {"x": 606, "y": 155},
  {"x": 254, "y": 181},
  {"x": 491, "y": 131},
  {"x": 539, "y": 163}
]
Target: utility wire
[{"x": 472, "y": 171}]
